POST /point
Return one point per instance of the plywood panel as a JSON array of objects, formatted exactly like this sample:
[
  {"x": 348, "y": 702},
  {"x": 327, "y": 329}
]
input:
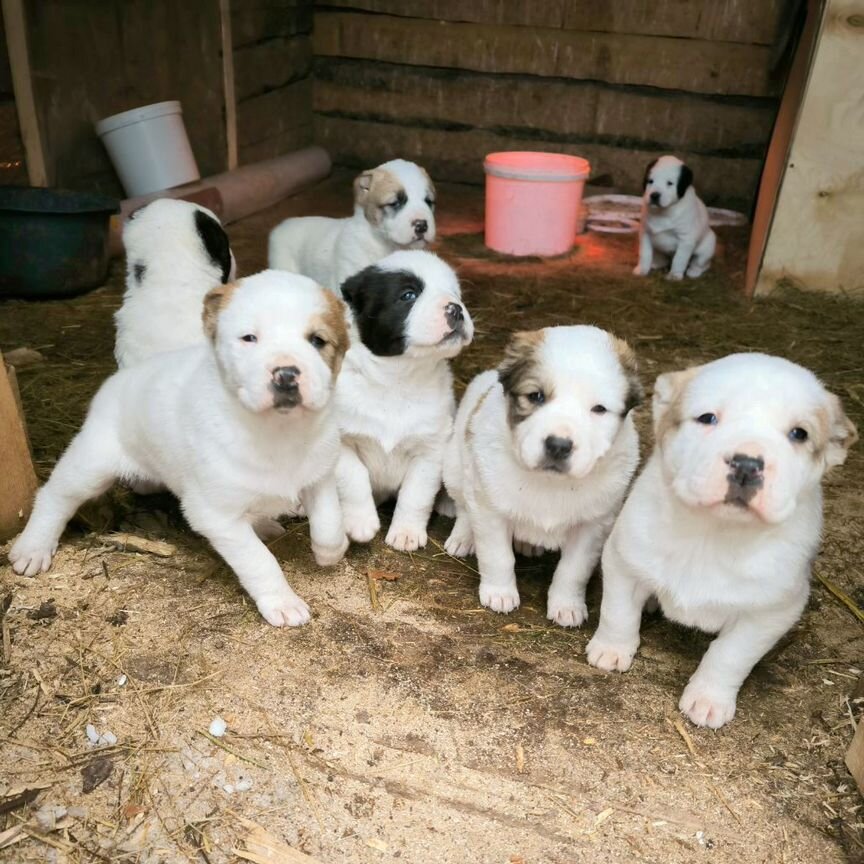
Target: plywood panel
[
  {"x": 264, "y": 66},
  {"x": 255, "y": 21},
  {"x": 277, "y": 145},
  {"x": 273, "y": 113}
]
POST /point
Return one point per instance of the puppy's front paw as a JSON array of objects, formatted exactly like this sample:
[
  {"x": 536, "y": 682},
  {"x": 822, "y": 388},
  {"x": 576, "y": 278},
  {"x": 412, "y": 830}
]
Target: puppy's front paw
[
  {"x": 31, "y": 557},
  {"x": 639, "y": 270},
  {"x": 694, "y": 271},
  {"x": 361, "y": 525},
  {"x": 567, "y": 611},
  {"x": 406, "y": 538},
  {"x": 283, "y": 609},
  {"x": 499, "y": 598},
  {"x": 708, "y": 706},
  {"x": 267, "y": 529},
  {"x": 327, "y": 556},
  {"x": 460, "y": 543},
  {"x": 609, "y": 656},
  {"x": 674, "y": 277}
]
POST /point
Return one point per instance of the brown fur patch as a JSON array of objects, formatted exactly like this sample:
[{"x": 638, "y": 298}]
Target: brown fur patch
[
  {"x": 429, "y": 183},
  {"x": 842, "y": 433},
  {"x": 374, "y": 188},
  {"x": 214, "y": 302},
  {"x": 331, "y": 327},
  {"x": 627, "y": 359},
  {"x": 519, "y": 374},
  {"x": 669, "y": 392}
]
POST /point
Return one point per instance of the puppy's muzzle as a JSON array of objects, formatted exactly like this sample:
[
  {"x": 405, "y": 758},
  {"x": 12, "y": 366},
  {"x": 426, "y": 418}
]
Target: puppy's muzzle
[
  {"x": 557, "y": 452},
  {"x": 286, "y": 389},
  {"x": 420, "y": 226},
  {"x": 654, "y": 197},
  {"x": 746, "y": 477}
]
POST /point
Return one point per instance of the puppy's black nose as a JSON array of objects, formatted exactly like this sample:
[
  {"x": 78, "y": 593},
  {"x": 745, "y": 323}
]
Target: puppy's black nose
[
  {"x": 745, "y": 470},
  {"x": 655, "y": 197},
  {"x": 421, "y": 226},
  {"x": 558, "y": 449},
  {"x": 454, "y": 314},
  {"x": 285, "y": 379}
]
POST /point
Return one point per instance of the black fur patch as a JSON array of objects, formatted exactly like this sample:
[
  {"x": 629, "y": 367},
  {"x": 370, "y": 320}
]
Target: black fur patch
[
  {"x": 215, "y": 242},
  {"x": 375, "y": 297},
  {"x": 138, "y": 271},
  {"x": 648, "y": 168},
  {"x": 685, "y": 180}
]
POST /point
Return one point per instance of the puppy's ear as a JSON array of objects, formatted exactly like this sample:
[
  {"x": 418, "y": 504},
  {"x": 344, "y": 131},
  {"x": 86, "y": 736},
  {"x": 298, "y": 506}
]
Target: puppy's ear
[
  {"x": 214, "y": 302},
  {"x": 362, "y": 185},
  {"x": 519, "y": 357},
  {"x": 429, "y": 185},
  {"x": 648, "y": 168},
  {"x": 335, "y": 331},
  {"x": 842, "y": 433},
  {"x": 215, "y": 242},
  {"x": 666, "y": 405},
  {"x": 627, "y": 359},
  {"x": 685, "y": 180},
  {"x": 353, "y": 289}
]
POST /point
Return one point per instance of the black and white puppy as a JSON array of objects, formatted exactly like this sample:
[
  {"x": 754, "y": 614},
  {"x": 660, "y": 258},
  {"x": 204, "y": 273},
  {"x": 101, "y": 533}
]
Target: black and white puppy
[
  {"x": 394, "y": 397},
  {"x": 674, "y": 223},
  {"x": 176, "y": 252}
]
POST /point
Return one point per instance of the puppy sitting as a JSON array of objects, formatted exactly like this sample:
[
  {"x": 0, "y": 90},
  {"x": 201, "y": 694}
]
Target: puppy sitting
[
  {"x": 239, "y": 426},
  {"x": 542, "y": 453},
  {"x": 176, "y": 252},
  {"x": 395, "y": 395},
  {"x": 674, "y": 222},
  {"x": 393, "y": 209},
  {"x": 724, "y": 521}
]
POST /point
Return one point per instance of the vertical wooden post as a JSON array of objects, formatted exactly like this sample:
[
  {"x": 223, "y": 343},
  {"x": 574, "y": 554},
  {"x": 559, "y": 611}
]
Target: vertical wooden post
[{"x": 228, "y": 83}]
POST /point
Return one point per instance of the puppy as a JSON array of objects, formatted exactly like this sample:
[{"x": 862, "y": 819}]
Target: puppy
[
  {"x": 674, "y": 222},
  {"x": 176, "y": 252},
  {"x": 394, "y": 208},
  {"x": 542, "y": 453},
  {"x": 724, "y": 521},
  {"x": 237, "y": 427},
  {"x": 395, "y": 395}
]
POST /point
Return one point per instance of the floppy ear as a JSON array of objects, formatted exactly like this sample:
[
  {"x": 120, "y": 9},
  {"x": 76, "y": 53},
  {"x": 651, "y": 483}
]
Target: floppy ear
[
  {"x": 337, "y": 327},
  {"x": 668, "y": 391},
  {"x": 362, "y": 185},
  {"x": 214, "y": 302},
  {"x": 215, "y": 242},
  {"x": 843, "y": 433},
  {"x": 518, "y": 357},
  {"x": 627, "y": 358},
  {"x": 430, "y": 185},
  {"x": 353, "y": 288},
  {"x": 685, "y": 180},
  {"x": 648, "y": 168}
]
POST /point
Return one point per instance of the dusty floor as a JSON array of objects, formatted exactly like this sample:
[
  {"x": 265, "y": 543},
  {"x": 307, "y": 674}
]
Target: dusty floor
[{"x": 405, "y": 722}]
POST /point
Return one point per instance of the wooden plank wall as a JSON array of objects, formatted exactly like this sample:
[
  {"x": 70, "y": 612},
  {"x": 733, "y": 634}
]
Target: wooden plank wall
[
  {"x": 446, "y": 81},
  {"x": 272, "y": 76},
  {"x": 13, "y": 169}
]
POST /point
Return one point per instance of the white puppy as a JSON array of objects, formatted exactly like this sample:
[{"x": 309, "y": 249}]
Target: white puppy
[
  {"x": 239, "y": 426},
  {"x": 393, "y": 209},
  {"x": 674, "y": 222},
  {"x": 176, "y": 252},
  {"x": 395, "y": 394},
  {"x": 724, "y": 521},
  {"x": 542, "y": 453}
]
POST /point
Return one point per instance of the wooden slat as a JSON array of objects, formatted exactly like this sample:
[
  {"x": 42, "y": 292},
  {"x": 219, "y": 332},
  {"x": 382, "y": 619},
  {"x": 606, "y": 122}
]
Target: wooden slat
[
  {"x": 679, "y": 64},
  {"x": 277, "y": 145},
  {"x": 258, "y": 20},
  {"x": 229, "y": 89},
  {"x": 273, "y": 113},
  {"x": 458, "y": 156},
  {"x": 549, "y": 109},
  {"x": 730, "y": 21},
  {"x": 268, "y": 65}
]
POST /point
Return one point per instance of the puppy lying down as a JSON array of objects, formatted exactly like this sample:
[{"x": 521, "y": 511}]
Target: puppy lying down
[
  {"x": 723, "y": 523},
  {"x": 542, "y": 453},
  {"x": 239, "y": 428}
]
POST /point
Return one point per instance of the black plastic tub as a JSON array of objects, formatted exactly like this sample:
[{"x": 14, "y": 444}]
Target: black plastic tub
[{"x": 53, "y": 242}]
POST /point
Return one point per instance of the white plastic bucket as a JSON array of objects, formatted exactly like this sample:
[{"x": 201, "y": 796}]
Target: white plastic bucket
[
  {"x": 533, "y": 201},
  {"x": 149, "y": 148}
]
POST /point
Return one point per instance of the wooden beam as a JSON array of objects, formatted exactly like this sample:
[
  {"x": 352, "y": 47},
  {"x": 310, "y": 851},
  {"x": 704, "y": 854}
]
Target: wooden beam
[{"x": 228, "y": 83}]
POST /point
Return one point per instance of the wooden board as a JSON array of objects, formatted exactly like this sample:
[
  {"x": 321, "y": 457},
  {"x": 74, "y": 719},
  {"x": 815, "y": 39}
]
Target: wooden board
[
  {"x": 258, "y": 20},
  {"x": 732, "y": 20},
  {"x": 264, "y": 66},
  {"x": 817, "y": 235},
  {"x": 274, "y": 113},
  {"x": 277, "y": 145},
  {"x": 458, "y": 156},
  {"x": 547, "y": 109},
  {"x": 855, "y": 757},
  {"x": 681, "y": 64}
]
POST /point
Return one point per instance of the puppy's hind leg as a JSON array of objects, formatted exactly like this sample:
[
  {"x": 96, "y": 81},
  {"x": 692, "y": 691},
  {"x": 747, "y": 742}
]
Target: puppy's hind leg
[
  {"x": 702, "y": 256},
  {"x": 460, "y": 543}
]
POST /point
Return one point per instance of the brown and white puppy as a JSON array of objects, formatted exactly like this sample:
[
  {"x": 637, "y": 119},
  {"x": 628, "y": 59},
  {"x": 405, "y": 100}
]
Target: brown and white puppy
[
  {"x": 240, "y": 427},
  {"x": 541, "y": 455},
  {"x": 723, "y": 523},
  {"x": 394, "y": 208}
]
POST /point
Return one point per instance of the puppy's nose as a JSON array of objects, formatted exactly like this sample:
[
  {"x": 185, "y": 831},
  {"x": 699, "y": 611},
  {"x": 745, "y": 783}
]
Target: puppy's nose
[
  {"x": 557, "y": 448},
  {"x": 746, "y": 470},
  {"x": 454, "y": 314},
  {"x": 285, "y": 379},
  {"x": 421, "y": 226},
  {"x": 655, "y": 197}
]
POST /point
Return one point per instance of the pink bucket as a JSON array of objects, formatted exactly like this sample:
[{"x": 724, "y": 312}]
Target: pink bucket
[{"x": 532, "y": 201}]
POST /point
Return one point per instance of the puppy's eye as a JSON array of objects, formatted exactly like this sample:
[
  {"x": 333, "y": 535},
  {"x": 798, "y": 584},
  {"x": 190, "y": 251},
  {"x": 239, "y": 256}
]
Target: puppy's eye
[
  {"x": 430, "y": 203},
  {"x": 599, "y": 409},
  {"x": 669, "y": 183},
  {"x": 538, "y": 397},
  {"x": 317, "y": 341},
  {"x": 249, "y": 337},
  {"x": 798, "y": 434},
  {"x": 650, "y": 181},
  {"x": 408, "y": 296},
  {"x": 707, "y": 419}
]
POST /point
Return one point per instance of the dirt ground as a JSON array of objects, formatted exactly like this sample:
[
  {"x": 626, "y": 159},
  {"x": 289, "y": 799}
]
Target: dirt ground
[{"x": 405, "y": 722}]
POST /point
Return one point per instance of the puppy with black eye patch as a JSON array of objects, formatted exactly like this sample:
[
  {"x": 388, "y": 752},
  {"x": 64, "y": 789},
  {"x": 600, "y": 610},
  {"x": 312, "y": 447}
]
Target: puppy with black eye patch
[
  {"x": 394, "y": 208},
  {"x": 176, "y": 252},
  {"x": 395, "y": 399},
  {"x": 542, "y": 453},
  {"x": 723, "y": 523},
  {"x": 674, "y": 225}
]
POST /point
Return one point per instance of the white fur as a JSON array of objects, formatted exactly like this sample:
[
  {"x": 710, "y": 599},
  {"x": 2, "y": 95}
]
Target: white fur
[
  {"x": 396, "y": 413},
  {"x": 673, "y": 228},
  {"x": 162, "y": 312},
  {"x": 502, "y": 494},
  {"x": 203, "y": 423},
  {"x": 331, "y": 250},
  {"x": 742, "y": 573}
]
